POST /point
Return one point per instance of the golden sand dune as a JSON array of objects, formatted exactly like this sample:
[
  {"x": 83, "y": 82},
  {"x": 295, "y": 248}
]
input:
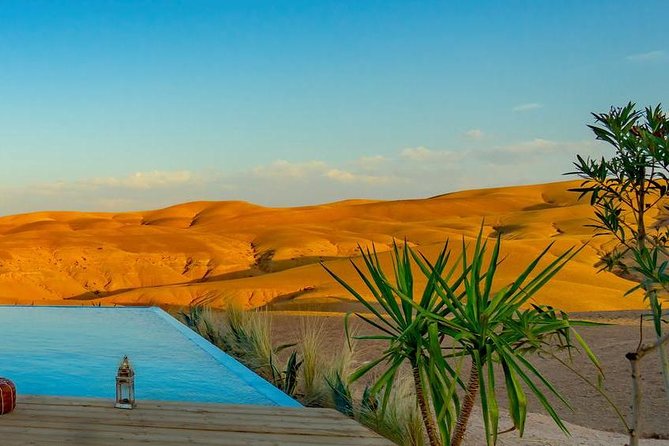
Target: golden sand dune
[{"x": 213, "y": 252}]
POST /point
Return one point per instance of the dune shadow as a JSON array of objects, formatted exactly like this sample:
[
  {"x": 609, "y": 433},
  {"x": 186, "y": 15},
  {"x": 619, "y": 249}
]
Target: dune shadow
[{"x": 274, "y": 266}]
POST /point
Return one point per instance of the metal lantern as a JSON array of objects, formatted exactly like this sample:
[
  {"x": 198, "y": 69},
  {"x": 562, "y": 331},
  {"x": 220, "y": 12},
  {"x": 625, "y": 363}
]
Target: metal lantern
[{"x": 125, "y": 385}]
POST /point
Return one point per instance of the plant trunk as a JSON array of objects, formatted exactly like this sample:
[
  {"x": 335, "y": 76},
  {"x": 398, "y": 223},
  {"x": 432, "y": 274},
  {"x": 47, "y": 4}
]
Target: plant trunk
[
  {"x": 467, "y": 407},
  {"x": 430, "y": 428},
  {"x": 634, "y": 358},
  {"x": 636, "y": 399}
]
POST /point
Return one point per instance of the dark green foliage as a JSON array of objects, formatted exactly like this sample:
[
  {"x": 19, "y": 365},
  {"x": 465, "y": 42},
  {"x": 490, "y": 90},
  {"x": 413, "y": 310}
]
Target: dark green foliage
[
  {"x": 286, "y": 380},
  {"x": 192, "y": 317},
  {"x": 626, "y": 188},
  {"x": 460, "y": 314},
  {"x": 341, "y": 394}
]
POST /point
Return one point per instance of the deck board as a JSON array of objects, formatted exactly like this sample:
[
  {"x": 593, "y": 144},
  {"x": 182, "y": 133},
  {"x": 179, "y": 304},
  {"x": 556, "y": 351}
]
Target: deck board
[{"x": 40, "y": 420}]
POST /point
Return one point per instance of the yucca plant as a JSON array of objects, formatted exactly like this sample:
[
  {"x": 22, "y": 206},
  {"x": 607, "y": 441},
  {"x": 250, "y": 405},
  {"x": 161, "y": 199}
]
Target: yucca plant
[
  {"x": 402, "y": 325},
  {"x": 502, "y": 327},
  {"x": 462, "y": 316}
]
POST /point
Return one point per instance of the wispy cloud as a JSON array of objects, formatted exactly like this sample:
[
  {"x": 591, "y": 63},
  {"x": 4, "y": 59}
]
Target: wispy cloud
[
  {"x": 474, "y": 134},
  {"x": 409, "y": 172},
  {"x": 371, "y": 162},
  {"x": 345, "y": 176},
  {"x": 424, "y": 154},
  {"x": 145, "y": 180},
  {"x": 155, "y": 179},
  {"x": 650, "y": 56},
  {"x": 536, "y": 145},
  {"x": 527, "y": 107},
  {"x": 287, "y": 169}
]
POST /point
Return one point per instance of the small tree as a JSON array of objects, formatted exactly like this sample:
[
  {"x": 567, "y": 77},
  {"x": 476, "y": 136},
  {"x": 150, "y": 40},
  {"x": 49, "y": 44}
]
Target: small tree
[{"x": 626, "y": 191}]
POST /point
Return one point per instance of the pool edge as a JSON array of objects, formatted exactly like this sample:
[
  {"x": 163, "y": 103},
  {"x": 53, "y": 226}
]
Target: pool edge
[{"x": 247, "y": 375}]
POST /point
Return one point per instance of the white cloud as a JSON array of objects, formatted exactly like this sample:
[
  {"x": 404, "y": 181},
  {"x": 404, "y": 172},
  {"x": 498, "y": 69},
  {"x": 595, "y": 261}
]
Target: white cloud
[
  {"x": 155, "y": 179},
  {"x": 287, "y": 169},
  {"x": 532, "y": 146},
  {"x": 348, "y": 177},
  {"x": 424, "y": 154},
  {"x": 527, "y": 107},
  {"x": 650, "y": 56},
  {"x": 474, "y": 134},
  {"x": 410, "y": 172},
  {"x": 144, "y": 180},
  {"x": 417, "y": 153},
  {"x": 370, "y": 162},
  {"x": 340, "y": 175}
]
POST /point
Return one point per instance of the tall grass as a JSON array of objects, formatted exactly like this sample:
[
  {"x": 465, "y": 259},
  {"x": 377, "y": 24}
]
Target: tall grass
[
  {"x": 312, "y": 343},
  {"x": 401, "y": 422},
  {"x": 248, "y": 337},
  {"x": 310, "y": 374}
]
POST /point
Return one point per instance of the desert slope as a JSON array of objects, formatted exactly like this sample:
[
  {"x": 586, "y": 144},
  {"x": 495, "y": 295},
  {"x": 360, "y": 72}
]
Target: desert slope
[{"x": 213, "y": 252}]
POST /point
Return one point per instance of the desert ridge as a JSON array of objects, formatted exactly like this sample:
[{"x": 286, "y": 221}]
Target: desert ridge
[{"x": 218, "y": 252}]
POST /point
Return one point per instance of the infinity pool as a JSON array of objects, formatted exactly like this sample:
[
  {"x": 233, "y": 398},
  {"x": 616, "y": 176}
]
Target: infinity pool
[{"x": 75, "y": 351}]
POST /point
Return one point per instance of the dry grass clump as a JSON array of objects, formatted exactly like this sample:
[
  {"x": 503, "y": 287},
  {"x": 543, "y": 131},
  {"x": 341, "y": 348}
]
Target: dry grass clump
[
  {"x": 308, "y": 374},
  {"x": 312, "y": 339}
]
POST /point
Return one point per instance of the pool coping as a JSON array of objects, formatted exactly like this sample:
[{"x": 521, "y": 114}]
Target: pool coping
[{"x": 248, "y": 376}]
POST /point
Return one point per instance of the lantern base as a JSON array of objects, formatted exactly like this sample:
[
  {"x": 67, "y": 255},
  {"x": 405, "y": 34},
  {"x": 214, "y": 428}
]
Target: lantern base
[{"x": 124, "y": 405}]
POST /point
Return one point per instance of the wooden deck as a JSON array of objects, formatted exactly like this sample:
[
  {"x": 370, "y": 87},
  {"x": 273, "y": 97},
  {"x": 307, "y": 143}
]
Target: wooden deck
[{"x": 76, "y": 421}]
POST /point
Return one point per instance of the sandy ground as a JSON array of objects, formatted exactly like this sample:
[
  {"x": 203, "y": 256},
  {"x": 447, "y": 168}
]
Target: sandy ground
[
  {"x": 594, "y": 420},
  {"x": 541, "y": 431}
]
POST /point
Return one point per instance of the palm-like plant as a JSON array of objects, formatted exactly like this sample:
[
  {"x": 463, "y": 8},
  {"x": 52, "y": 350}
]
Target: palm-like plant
[
  {"x": 401, "y": 324},
  {"x": 489, "y": 327},
  {"x": 502, "y": 327}
]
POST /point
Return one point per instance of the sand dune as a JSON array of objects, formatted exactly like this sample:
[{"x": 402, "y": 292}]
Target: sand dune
[{"x": 213, "y": 252}]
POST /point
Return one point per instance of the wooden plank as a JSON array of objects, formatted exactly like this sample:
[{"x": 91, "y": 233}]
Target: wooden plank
[
  {"x": 141, "y": 413},
  {"x": 346, "y": 429},
  {"x": 52, "y": 421},
  {"x": 101, "y": 435},
  {"x": 214, "y": 407}
]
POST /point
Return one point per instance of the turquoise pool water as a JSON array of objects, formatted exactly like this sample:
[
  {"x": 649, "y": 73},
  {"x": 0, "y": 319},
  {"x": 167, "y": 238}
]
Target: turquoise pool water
[{"x": 75, "y": 351}]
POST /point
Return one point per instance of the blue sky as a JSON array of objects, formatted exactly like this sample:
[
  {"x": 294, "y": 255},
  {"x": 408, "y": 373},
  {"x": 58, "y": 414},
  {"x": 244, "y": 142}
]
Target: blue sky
[{"x": 114, "y": 105}]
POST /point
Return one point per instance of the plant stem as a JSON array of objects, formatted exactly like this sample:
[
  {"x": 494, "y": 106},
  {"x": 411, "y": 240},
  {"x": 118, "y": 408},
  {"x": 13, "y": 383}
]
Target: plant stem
[
  {"x": 424, "y": 410},
  {"x": 634, "y": 358},
  {"x": 467, "y": 407},
  {"x": 636, "y": 400}
]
